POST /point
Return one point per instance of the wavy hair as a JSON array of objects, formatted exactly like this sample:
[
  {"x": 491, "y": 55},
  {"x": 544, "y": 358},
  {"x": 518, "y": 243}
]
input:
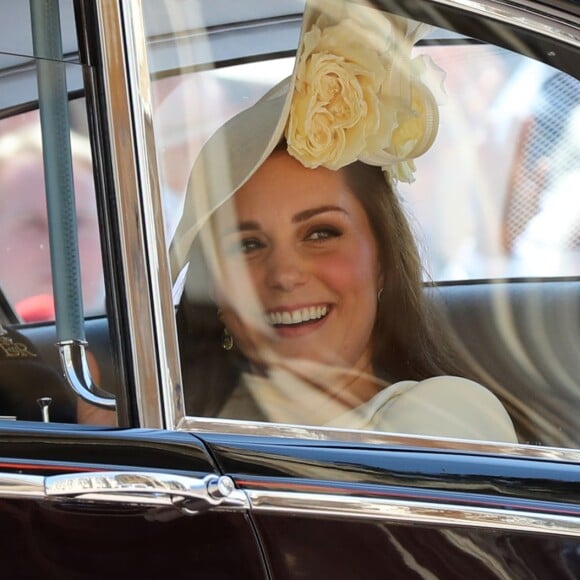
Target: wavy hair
[{"x": 412, "y": 337}]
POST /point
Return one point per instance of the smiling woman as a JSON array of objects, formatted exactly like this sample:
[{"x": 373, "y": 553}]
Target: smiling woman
[
  {"x": 312, "y": 252},
  {"x": 312, "y": 262},
  {"x": 315, "y": 272}
]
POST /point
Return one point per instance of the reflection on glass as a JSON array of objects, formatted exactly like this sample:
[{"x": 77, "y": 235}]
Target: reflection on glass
[
  {"x": 191, "y": 107},
  {"x": 506, "y": 142},
  {"x": 25, "y": 271},
  {"x": 301, "y": 299},
  {"x": 462, "y": 223},
  {"x": 294, "y": 205},
  {"x": 16, "y": 36}
]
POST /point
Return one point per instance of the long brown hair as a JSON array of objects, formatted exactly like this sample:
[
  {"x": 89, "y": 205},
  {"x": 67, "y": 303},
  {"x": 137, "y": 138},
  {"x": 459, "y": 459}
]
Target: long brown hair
[
  {"x": 407, "y": 343},
  {"x": 411, "y": 338}
]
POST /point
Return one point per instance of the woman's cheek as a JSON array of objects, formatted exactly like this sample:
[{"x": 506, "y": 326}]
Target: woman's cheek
[
  {"x": 248, "y": 337},
  {"x": 344, "y": 271}
]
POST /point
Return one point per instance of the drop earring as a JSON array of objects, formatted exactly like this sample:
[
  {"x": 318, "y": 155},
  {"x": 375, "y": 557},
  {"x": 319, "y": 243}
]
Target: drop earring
[
  {"x": 227, "y": 340},
  {"x": 380, "y": 294}
]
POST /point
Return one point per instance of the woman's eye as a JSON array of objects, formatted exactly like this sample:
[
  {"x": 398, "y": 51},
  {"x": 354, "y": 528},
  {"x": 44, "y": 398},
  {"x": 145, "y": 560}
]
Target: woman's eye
[
  {"x": 244, "y": 246},
  {"x": 249, "y": 245},
  {"x": 323, "y": 234}
]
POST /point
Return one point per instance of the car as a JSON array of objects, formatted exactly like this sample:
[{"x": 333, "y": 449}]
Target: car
[{"x": 111, "y": 466}]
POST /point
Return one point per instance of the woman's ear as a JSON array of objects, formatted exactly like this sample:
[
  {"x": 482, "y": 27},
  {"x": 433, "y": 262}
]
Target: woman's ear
[{"x": 380, "y": 280}]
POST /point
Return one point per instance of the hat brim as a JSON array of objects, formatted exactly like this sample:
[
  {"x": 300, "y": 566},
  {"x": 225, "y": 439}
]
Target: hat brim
[
  {"x": 229, "y": 159},
  {"x": 232, "y": 155},
  {"x": 235, "y": 151}
]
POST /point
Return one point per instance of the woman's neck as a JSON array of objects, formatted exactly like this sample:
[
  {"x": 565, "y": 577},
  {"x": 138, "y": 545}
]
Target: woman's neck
[{"x": 350, "y": 387}]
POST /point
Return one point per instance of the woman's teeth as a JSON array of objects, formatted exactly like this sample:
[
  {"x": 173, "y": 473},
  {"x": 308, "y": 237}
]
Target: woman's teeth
[{"x": 297, "y": 316}]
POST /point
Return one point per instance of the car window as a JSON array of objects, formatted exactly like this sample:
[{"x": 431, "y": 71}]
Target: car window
[
  {"x": 508, "y": 150},
  {"x": 35, "y": 348},
  {"x": 25, "y": 272},
  {"x": 481, "y": 204},
  {"x": 25, "y": 269}
]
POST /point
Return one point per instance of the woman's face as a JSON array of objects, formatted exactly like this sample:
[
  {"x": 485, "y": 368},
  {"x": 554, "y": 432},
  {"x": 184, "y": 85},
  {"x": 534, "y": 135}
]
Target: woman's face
[{"x": 297, "y": 242}]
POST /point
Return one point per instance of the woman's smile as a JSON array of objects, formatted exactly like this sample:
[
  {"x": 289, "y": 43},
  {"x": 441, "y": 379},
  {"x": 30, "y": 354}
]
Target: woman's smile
[{"x": 299, "y": 320}]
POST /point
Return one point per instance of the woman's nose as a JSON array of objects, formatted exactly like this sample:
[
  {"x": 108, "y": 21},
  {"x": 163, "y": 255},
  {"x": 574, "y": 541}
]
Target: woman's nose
[{"x": 286, "y": 270}]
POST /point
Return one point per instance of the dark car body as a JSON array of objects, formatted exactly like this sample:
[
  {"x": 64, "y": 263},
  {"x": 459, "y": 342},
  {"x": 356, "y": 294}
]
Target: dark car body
[{"x": 163, "y": 494}]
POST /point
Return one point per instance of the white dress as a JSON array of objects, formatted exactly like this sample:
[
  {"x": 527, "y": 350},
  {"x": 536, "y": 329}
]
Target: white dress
[{"x": 443, "y": 406}]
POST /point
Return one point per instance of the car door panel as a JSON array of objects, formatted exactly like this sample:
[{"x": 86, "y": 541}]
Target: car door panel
[
  {"x": 309, "y": 547},
  {"x": 68, "y": 543},
  {"x": 364, "y": 511},
  {"x": 50, "y": 530}
]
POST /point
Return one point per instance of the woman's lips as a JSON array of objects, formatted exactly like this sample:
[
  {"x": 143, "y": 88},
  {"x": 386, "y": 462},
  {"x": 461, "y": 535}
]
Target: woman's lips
[{"x": 297, "y": 321}]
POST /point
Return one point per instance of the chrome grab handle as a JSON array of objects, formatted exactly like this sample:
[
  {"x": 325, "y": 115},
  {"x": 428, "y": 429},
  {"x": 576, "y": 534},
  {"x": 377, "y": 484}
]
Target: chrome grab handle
[
  {"x": 60, "y": 195},
  {"x": 73, "y": 360},
  {"x": 149, "y": 488}
]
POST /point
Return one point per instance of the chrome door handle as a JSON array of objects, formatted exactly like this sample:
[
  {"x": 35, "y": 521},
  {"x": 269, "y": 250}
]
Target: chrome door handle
[{"x": 148, "y": 488}]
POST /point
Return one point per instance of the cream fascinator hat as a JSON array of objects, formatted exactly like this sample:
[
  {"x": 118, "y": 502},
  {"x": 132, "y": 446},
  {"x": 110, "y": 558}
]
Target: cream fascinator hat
[{"x": 355, "y": 94}]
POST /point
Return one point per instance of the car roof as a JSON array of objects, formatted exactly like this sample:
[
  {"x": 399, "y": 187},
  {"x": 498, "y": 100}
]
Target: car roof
[{"x": 218, "y": 32}]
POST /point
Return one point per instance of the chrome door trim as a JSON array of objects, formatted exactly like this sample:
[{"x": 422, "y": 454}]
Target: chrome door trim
[
  {"x": 365, "y": 508},
  {"x": 352, "y": 437},
  {"x": 145, "y": 269},
  {"x": 219, "y": 492},
  {"x": 151, "y": 488},
  {"x": 21, "y": 486},
  {"x": 156, "y": 489},
  {"x": 522, "y": 14}
]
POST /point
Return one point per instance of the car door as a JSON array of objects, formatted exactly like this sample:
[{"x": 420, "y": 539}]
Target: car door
[
  {"x": 405, "y": 509},
  {"x": 88, "y": 504},
  {"x": 371, "y": 505}
]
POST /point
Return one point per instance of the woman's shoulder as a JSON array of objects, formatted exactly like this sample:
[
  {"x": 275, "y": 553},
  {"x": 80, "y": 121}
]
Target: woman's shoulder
[{"x": 444, "y": 406}]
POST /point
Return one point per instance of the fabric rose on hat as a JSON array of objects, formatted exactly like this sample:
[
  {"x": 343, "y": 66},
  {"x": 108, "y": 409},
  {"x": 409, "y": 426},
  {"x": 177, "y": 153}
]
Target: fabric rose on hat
[
  {"x": 335, "y": 106},
  {"x": 358, "y": 96}
]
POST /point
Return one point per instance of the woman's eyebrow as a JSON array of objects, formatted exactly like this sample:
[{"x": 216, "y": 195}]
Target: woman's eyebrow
[
  {"x": 247, "y": 225},
  {"x": 241, "y": 227},
  {"x": 301, "y": 216},
  {"x": 308, "y": 213}
]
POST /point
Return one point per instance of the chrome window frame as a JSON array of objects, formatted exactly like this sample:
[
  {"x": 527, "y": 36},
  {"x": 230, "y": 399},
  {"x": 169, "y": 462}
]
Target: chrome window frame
[
  {"x": 525, "y": 15},
  {"x": 145, "y": 274}
]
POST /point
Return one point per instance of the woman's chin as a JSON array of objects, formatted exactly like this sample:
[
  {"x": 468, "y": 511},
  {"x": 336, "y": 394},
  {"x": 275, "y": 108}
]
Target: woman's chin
[{"x": 298, "y": 355}]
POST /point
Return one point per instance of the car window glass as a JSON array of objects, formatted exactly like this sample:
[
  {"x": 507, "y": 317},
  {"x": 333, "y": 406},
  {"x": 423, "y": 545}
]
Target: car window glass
[
  {"x": 31, "y": 376},
  {"x": 16, "y": 39},
  {"x": 481, "y": 207},
  {"x": 25, "y": 276},
  {"x": 510, "y": 123},
  {"x": 25, "y": 270}
]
